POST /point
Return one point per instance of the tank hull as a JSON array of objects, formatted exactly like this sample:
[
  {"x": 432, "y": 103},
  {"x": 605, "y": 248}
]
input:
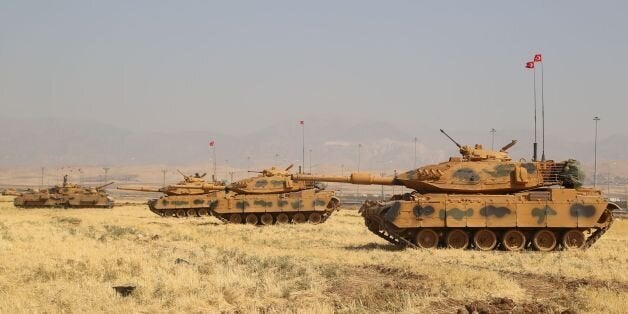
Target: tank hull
[
  {"x": 311, "y": 205},
  {"x": 314, "y": 206},
  {"x": 184, "y": 205},
  {"x": 544, "y": 220}
]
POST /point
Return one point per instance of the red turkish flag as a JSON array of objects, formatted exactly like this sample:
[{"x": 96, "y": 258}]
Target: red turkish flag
[
  {"x": 211, "y": 143},
  {"x": 301, "y": 122},
  {"x": 530, "y": 65},
  {"x": 538, "y": 58}
]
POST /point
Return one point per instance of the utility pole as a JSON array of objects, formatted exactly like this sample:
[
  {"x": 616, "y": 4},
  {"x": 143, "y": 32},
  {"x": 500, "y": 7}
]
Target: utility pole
[
  {"x": 226, "y": 169},
  {"x": 163, "y": 171},
  {"x": 415, "y": 141},
  {"x": 608, "y": 189},
  {"x": 41, "y": 186},
  {"x": 248, "y": 163},
  {"x": 231, "y": 175},
  {"x": 596, "y": 119},
  {"x": 357, "y": 191},
  {"x": 493, "y": 138},
  {"x": 106, "y": 169},
  {"x": 383, "y": 174},
  {"x": 310, "y": 151},
  {"x": 302, "y": 123}
]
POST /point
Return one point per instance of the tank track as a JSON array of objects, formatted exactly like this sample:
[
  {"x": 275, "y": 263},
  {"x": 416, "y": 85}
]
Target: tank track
[
  {"x": 373, "y": 213},
  {"x": 108, "y": 206},
  {"x": 225, "y": 217},
  {"x": 178, "y": 212},
  {"x": 597, "y": 234}
]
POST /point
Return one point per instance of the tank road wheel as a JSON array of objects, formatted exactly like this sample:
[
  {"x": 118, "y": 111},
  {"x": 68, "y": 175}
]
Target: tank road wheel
[
  {"x": 315, "y": 218},
  {"x": 251, "y": 219},
  {"x": 235, "y": 219},
  {"x": 267, "y": 219},
  {"x": 192, "y": 212},
  {"x": 203, "y": 212},
  {"x": 298, "y": 218},
  {"x": 544, "y": 240},
  {"x": 457, "y": 239},
  {"x": 514, "y": 240},
  {"x": 573, "y": 239},
  {"x": 485, "y": 240},
  {"x": 168, "y": 213},
  {"x": 180, "y": 213},
  {"x": 427, "y": 239},
  {"x": 283, "y": 219}
]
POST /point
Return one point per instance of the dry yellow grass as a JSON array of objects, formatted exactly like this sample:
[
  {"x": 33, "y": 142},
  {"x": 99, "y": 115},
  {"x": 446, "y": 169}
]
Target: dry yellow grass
[{"x": 55, "y": 260}]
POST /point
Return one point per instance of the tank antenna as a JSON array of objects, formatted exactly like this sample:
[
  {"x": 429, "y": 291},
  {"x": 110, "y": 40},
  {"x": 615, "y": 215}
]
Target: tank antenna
[{"x": 451, "y": 138}]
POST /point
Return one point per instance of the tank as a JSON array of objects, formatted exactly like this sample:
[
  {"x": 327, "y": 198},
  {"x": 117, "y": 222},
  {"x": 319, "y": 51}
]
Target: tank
[
  {"x": 181, "y": 199},
  {"x": 66, "y": 195},
  {"x": 485, "y": 200},
  {"x": 11, "y": 192},
  {"x": 268, "y": 198}
]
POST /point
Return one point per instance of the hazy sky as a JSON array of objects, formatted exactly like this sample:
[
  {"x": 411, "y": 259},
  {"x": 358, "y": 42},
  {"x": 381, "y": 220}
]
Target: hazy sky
[{"x": 236, "y": 66}]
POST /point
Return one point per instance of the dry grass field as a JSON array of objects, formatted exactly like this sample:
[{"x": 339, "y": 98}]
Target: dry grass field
[{"x": 56, "y": 260}]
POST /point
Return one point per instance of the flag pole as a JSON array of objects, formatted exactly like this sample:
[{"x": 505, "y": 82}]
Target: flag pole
[
  {"x": 542, "y": 114},
  {"x": 534, "y": 157},
  {"x": 214, "y": 160},
  {"x": 303, "y": 145},
  {"x": 212, "y": 144}
]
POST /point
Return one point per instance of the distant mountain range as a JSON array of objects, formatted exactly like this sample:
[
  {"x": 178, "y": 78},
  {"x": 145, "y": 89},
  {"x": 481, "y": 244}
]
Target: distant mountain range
[{"x": 334, "y": 144}]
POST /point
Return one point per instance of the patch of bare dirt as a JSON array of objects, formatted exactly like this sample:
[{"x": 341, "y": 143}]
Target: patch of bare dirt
[
  {"x": 506, "y": 305},
  {"x": 555, "y": 287},
  {"x": 560, "y": 288},
  {"x": 374, "y": 286}
]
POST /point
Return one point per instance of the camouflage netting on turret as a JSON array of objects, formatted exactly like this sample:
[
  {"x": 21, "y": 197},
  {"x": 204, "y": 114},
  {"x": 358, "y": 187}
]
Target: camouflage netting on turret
[{"x": 572, "y": 174}]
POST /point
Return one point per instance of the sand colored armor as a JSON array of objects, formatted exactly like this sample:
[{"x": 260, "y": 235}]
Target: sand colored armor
[
  {"x": 66, "y": 195},
  {"x": 268, "y": 198},
  {"x": 485, "y": 200},
  {"x": 181, "y": 198}
]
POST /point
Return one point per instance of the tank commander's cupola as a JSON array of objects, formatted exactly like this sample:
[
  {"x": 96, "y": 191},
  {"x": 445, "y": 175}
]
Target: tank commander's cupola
[{"x": 478, "y": 153}]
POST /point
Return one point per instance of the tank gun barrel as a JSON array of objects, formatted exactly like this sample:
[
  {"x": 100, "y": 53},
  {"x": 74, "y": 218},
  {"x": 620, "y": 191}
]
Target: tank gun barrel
[
  {"x": 206, "y": 187},
  {"x": 139, "y": 188},
  {"x": 459, "y": 146},
  {"x": 361, "y": 178},
  {"x": 104, "y": 185}
]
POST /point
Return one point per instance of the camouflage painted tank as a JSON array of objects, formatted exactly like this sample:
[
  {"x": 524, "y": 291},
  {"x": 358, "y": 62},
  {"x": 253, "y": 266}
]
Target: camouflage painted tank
[
  {"x": 181, "y": 199},
  {"x": 271, "y": 197},
  {"x": 66, "y": 195},
  {"x": 485, "y": 200}
]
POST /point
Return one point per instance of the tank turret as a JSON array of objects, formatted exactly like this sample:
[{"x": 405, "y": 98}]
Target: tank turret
[
  {"x": 477, "y": 170},
  {"x": 190, "y": 185},
  {"x": 271, "y": 180}
]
